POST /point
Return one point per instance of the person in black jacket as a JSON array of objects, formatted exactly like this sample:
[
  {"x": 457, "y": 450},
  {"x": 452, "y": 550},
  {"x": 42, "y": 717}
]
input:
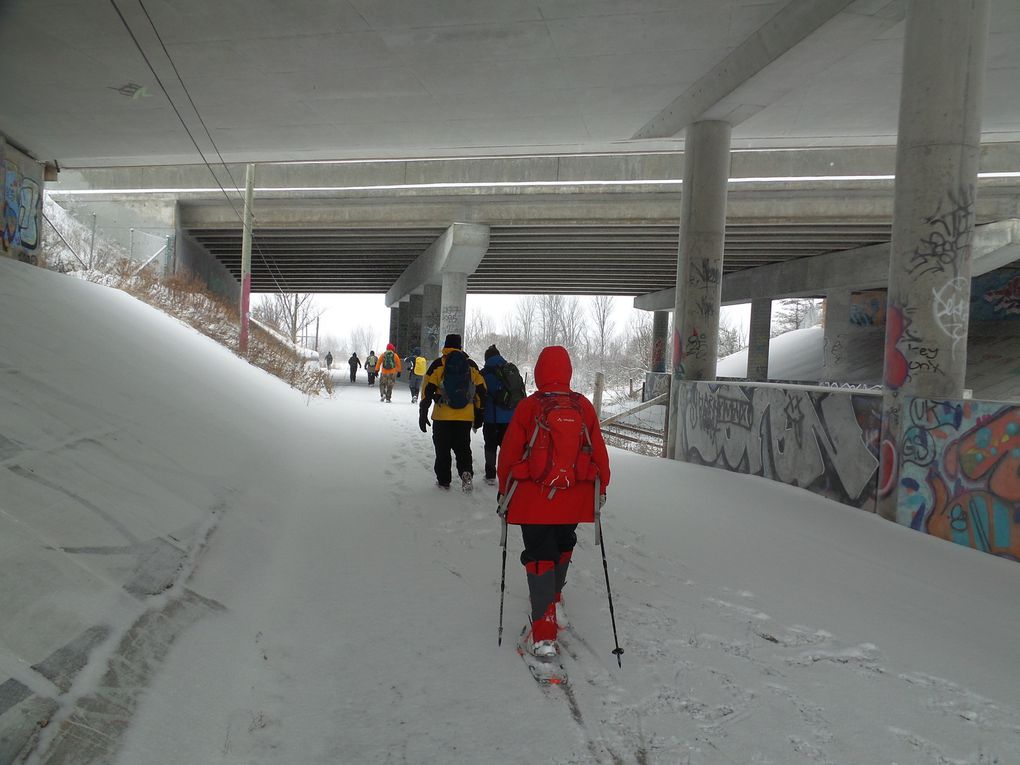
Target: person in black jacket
[{"x": 354, "y": 363}]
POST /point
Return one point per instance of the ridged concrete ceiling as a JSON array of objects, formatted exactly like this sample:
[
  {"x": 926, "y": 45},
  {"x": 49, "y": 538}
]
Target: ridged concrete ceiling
[{"x": 611, "y": 260}]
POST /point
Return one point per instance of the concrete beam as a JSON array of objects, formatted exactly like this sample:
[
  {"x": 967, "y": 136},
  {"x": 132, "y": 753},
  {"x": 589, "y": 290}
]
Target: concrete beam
[
  {"x": 793, "y": 24},
  {"x": 459, "y": 250},
  {"x": 995, "y": 245}
]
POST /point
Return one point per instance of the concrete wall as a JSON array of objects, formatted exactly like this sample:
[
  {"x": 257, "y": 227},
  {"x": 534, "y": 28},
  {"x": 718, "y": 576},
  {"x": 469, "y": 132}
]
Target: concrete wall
[
  {"x": 959, "y": 473},
  {"x": 825, "y": 441},
  {"x": 138, "y": 226},
  {"x": 190, "y": 257},
  {"x": 21, "y": 206}
]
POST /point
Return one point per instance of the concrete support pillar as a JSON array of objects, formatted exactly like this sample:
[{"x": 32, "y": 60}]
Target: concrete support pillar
[
  {"x": 454, "y": 305},
  {"x": 933, "y": 216},
  {"x": 394, "y": 334},
  {"x": 835, "y": 347},
  {"x": 431, "y": 311},
  {"x": 700, "y": 260},
  {"x": 660, "y": 336},
  {"x": 404, "y": 327},
  {"x": 758, "y": 338},
  {"x": 414, "y": 324}
]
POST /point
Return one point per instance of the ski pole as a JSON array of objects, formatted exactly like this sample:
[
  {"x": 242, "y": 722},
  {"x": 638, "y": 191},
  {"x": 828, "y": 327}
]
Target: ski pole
[
  {"x": 605, "y": 568},
  {"x": 502, "y": 541},
  {"x": 502, "y": 589}
]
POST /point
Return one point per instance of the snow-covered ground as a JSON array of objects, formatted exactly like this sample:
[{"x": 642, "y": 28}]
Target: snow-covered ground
[
  {"x": 795, "y": 355},
  {"x": 349, "y": 608}
]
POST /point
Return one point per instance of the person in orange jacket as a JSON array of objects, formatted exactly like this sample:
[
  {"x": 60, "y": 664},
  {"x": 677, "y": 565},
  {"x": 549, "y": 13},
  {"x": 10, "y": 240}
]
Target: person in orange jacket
[
  {"x": 388, "y": 367},
  {"x": 548, "y": 499}
]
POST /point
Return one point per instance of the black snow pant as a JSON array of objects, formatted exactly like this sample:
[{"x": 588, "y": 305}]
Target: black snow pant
[
  {"x": 544, "y": 545},
  {"x": 354, "y": 373},
  {"x": 452, "y": 435},
  {"x": 493, "y": 433}
]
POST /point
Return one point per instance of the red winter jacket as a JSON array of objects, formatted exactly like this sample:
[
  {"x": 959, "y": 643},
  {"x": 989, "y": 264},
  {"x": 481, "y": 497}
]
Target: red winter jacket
[{"x": 530, "y": 503}]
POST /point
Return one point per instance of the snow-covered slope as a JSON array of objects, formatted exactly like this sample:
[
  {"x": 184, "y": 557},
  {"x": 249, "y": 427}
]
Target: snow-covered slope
[
  {"x": 795, "y": 355},
  {"x": 344, "y": 610}
]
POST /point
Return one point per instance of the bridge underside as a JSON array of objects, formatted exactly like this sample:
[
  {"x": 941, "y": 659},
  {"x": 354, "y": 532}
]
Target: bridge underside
[{"x": 526, "y": 259}]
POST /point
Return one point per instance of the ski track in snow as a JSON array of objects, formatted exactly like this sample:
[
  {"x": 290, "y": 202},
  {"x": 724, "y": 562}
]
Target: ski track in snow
[{"x": 734, "y": 689}]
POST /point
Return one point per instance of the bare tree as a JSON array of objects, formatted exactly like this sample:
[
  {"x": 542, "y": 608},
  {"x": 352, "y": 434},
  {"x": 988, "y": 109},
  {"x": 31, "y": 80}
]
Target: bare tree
[
  {"x": 731, "y": 338},
  {"x": 601, "y": 310},
  {"x": 361, "y": 340},
  {"x": 288, "y": 312}
]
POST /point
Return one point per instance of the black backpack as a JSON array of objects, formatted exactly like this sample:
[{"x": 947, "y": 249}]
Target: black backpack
[
  {"x": 456, "y": 386},
  {"x": 512, "y": 391}
]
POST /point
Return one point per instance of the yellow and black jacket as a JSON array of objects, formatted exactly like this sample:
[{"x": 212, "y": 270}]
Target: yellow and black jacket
[{"x": 431, "y": 392}]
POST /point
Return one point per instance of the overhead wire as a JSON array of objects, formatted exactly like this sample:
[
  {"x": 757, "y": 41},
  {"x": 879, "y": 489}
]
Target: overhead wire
[{"x": 187, "y": 130}]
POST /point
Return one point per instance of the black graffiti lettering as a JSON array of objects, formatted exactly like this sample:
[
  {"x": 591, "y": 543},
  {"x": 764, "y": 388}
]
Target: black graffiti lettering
[{"x": 952, "y": 226}]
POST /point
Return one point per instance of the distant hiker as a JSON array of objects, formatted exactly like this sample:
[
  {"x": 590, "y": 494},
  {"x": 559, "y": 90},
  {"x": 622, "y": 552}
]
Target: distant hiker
[
  {"x": 388, "y": 368},
  {"x": 419, "y": 366},
  {"x": 505, "y": 390},
  {"x": 457, "y": 388},
  {"x": 370, "y": 361},
  {"x": 353, "y": 361},
  {"x": 329, "y": 360},
  {"x": 551, "y": 457}
]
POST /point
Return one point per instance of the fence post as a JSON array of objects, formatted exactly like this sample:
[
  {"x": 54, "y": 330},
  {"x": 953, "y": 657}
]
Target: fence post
[
  {"x": 600, "y": 382},
  {"x": 665, "y": 432}
]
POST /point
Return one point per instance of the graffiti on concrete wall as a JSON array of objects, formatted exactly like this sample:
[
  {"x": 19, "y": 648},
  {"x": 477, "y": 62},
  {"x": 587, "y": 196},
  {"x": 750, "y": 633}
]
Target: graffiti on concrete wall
[
  {"x": 20, "y": 208},
  {"x": 823, "y": 441},
  {"x": 867, "y": 309},
  {"x": 960, "y": 473},
  {"x": 995, "y": 296}
]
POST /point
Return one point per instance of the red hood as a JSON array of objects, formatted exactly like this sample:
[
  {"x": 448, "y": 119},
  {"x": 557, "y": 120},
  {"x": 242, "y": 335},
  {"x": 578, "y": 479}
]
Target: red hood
[
  {"x": 553, "y": 369},
  {"x": 391, "y": 347}
]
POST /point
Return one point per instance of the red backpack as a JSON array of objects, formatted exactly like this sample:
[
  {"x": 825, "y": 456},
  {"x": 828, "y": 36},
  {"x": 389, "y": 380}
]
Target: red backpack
[{"x": 559, "y": 453}]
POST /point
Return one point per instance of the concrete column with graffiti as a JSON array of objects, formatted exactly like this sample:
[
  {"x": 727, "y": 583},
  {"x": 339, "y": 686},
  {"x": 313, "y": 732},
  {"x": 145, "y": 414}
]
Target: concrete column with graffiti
[
  {"x": 404, "y": 327},
  {"x": 414, "y": 307},
  {"x": 660, "y": 336},
  {"x": 837, "y": 325},
  {"x": 431, "y": 310},
  {"x": 700, "y": 260},
  {"x": 758, "y": 338},
  {"x": 394, "y": 334},
  {"x": 933, "y": 217},
  {"x": 21, "y": 205},
  {"x": 454, "y": 306}
]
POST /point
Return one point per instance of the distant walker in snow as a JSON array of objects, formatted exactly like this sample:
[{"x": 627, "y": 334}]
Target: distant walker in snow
[
  {"x": 353, "y": 361},
  {"x": 388, "y": 367},
  {"x": 551, "y": 460}
]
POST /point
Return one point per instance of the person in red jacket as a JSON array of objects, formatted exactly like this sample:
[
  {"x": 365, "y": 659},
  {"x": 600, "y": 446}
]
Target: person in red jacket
[{"x": 549, "y": 460}]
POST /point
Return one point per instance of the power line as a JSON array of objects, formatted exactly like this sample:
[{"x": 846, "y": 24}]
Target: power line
[{"x": 184, "y": 124}]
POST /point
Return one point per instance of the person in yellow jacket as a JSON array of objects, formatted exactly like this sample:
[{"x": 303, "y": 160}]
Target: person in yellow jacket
[
  {"x": 388, "y": 368},
  {"x": 457, "y": 389},
  {"x": 419, "y": 366}
]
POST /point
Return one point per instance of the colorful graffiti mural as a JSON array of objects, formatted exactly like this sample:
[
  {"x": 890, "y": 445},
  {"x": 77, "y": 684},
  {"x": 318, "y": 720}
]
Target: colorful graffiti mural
[
  {"x": 21, "y": 207},
  {"x": 826, "y": 442},
  {"x": 960, "y": 473},
  {"x": 867, "y": 309}
]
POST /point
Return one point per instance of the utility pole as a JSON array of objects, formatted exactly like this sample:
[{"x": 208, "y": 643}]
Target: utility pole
[{"x": 249, "y": 193}]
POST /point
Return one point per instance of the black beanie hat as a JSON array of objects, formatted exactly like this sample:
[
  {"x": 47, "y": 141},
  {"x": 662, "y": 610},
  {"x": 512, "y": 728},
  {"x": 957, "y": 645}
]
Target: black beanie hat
[
  {"x": 491, "y": 351},
  {"x": 452, "y": 341}
]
